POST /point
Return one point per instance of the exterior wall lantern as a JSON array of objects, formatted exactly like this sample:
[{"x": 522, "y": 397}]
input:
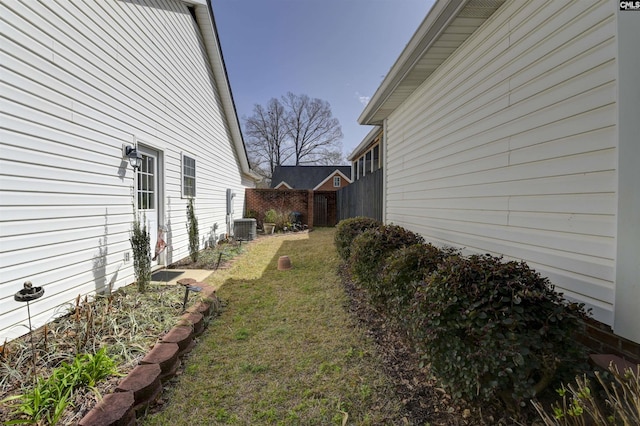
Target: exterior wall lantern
[{"x": 134, "y": 156}]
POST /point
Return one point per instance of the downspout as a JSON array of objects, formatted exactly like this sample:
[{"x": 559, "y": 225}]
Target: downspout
[{"x": 383, "y": 152}]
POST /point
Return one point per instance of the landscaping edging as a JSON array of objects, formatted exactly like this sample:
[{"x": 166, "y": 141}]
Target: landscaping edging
[{"x": 143, "y": 385}]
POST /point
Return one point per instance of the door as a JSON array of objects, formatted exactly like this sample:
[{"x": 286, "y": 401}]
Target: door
[
  {"x": 320, "y": 210},
  {"x": 147, "y": 195}
]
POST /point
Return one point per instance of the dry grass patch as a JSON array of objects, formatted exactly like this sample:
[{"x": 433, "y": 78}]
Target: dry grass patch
[{"x": 285, "y": 350}]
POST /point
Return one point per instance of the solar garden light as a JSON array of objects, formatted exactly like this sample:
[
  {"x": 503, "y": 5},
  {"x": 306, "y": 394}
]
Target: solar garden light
[{"x": 28, "y": 293}]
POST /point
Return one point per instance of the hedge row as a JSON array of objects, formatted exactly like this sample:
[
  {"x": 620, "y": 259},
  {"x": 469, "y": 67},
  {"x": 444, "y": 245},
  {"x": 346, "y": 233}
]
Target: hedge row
[{"x": 489, "y": 329}]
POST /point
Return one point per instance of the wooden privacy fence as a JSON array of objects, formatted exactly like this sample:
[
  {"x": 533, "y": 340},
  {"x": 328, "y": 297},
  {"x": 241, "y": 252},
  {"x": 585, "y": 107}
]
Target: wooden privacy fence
[{"x": 361, "y": 198}]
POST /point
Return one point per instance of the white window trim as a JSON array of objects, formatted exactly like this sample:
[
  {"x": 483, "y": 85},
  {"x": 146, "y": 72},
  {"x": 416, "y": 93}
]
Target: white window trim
[{"x": 182, "y": 175}]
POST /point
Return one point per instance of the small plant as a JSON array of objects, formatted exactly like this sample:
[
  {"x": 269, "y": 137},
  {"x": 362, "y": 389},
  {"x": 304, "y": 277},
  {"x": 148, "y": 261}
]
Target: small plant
[
  {"x": 283, "y": 220},
  {"x": 192, "y": 229},
  {"x": 49, "y": 398},
  {"x": 140, "y": 243},
  {"x": 348, "y": 229},
  {"x": 495, "y": 330},
  {"x": 580, "y": 404},
  {"x": 369, "y": 250},
  {"x": 213, "y": 235},
  {"x": 270, "y": 216}
]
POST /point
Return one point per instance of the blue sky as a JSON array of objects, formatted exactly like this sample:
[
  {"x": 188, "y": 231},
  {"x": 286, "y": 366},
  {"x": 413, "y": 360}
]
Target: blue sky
[{"x": 336, "y": 50}]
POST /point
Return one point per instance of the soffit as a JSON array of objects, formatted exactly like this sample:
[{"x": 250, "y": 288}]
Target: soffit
[{"x": 447, "y": 26}]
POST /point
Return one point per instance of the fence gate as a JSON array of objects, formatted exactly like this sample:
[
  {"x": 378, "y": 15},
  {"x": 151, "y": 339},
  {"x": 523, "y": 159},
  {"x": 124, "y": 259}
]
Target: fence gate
[{"x": 320, "y": 210}]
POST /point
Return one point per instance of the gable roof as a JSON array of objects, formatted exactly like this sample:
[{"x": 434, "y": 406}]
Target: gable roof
[
  {"x": 306, "y": 177},
  {"x": 446, "y": 27},
  {"x": 209, "y": 31}
]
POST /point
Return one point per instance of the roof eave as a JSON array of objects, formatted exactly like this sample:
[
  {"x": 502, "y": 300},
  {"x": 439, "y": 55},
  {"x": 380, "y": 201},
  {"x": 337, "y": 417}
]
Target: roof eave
[
  {"x": 365, "y": 142},
  {"x": 216, "y": 60},
  {"x": 405, "y": 76}
]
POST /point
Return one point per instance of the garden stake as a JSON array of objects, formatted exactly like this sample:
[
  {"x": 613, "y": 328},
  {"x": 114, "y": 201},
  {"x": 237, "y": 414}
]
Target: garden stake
[
  {"x": 219, "y": 259},
  {"x": 29, "y": 292},
  {"x": 187, "y": 289}
]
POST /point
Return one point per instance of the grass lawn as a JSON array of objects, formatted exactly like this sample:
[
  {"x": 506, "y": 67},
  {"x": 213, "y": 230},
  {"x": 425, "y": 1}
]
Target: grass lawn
[{"x": 285, "y": 350}]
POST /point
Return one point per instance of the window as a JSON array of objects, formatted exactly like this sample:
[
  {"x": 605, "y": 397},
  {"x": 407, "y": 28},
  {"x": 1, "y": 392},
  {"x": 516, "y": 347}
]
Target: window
[
  {"x": 367, "y": 163},
  {"x": 188, "y": 176},
  {"x": 146, "y": 183},
  {"x": 376, "y": 157},
  {"x": 336, "y": 181}
]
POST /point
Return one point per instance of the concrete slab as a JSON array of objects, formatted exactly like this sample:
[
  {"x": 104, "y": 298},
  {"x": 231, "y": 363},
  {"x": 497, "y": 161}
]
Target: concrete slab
[{"x": 171, "y": 276}]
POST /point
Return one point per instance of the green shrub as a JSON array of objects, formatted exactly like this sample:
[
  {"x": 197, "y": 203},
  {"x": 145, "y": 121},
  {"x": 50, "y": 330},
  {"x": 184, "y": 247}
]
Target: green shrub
[
  {"x": 370, "y": 249},
  {"x": 495, "y": 330},
  {"x": 141, "y": 246},
  {"x": 348, "y": 229},
  {"x": 282, "y": 220},
  {"x": 192, "y": 229},
  {"x": 270, "y": 216},
  {"x": 403, "y": 270}
]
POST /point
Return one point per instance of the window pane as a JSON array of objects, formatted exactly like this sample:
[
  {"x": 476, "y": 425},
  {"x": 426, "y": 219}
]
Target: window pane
[
  {"x": 188, "y": 176},
  {"x": 376, "y": 157}
]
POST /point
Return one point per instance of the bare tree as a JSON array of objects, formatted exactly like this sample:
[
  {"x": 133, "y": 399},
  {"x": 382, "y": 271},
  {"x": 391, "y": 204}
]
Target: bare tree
[
  {"x": 295, "y": 129},
  {"x": 330, "y": 158},
  {"x": 312, "y": 128},
  {"x": 267, "y": 136}
]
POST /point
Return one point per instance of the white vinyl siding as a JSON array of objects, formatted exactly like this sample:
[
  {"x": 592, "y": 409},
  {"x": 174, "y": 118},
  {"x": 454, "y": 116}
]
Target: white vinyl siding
[
  {"x": 79, "y": 80},
  {"x": 627, "y": 314},
  {"x": 510, "y": 146}
]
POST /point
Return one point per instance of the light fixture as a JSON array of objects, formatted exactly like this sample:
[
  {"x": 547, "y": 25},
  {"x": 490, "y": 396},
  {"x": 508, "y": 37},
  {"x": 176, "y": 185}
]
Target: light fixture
[{"x": 134, "y": 156}]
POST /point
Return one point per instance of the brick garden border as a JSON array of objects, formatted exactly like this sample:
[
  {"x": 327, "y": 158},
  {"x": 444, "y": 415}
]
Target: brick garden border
[{"x": 143, "y": 385}]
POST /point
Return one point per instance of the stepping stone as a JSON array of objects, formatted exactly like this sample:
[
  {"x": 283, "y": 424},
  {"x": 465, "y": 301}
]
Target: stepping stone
[
  {"x": 186, "y": 281},
  {"x": 115, "y": 409},
  {"x": 166, "y": 356},
  {"x": 144, "y": 382}
]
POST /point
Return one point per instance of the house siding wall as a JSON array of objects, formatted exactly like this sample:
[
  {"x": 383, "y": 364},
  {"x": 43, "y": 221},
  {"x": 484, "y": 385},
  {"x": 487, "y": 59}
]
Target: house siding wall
[
  {"x": 79, "y": 80},
  {"x": 510, "y": 146}
]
